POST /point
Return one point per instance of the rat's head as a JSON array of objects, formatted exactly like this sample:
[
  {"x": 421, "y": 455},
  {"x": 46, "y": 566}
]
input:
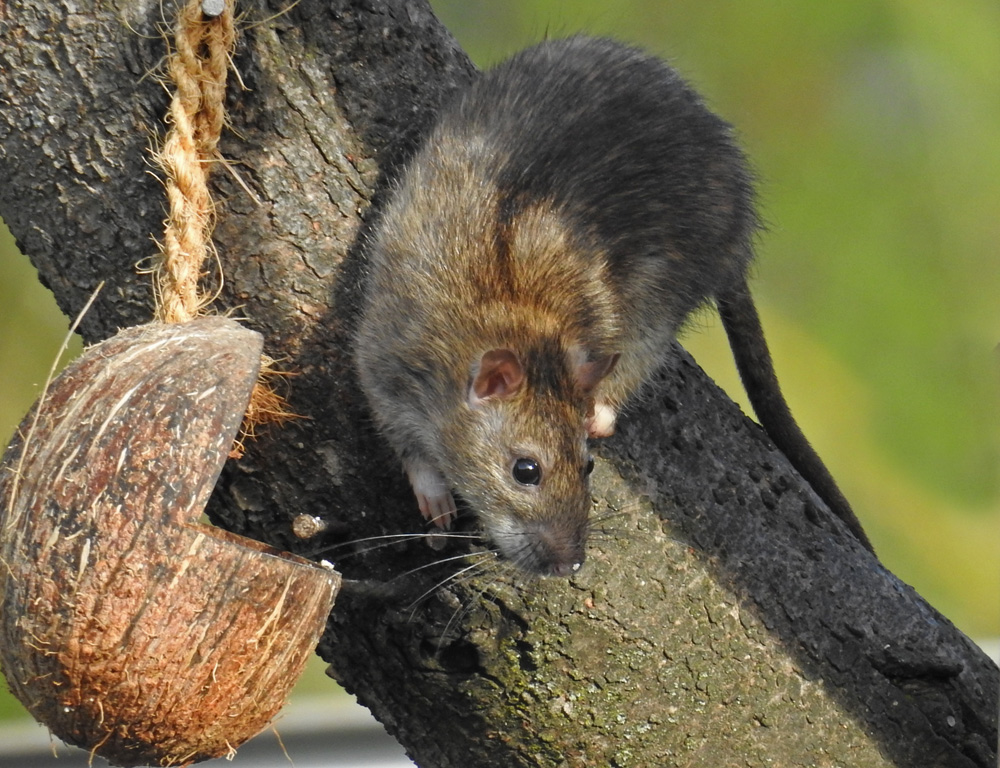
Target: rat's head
[{"x": 523, "y": 463}]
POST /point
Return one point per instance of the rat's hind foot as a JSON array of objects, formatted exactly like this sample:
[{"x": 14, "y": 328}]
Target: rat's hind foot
[{"x": 600, "y": 422}]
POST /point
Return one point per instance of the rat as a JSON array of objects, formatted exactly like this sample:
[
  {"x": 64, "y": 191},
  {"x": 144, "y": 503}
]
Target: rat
[{"x": 528, "y": 272}]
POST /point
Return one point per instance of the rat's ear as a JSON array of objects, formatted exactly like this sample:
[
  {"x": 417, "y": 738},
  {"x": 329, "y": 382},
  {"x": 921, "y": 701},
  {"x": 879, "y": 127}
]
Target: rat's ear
[
  {"x": 588, "y": 371},
  {"x": 499, "y": 375}
]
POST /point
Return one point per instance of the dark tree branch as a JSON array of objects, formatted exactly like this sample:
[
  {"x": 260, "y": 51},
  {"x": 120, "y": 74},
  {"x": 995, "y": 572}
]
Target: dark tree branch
[{"x": 725, "y": 616}]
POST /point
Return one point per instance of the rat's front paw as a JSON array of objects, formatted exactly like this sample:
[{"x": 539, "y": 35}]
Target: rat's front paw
[{"x": 433, "y": 497}]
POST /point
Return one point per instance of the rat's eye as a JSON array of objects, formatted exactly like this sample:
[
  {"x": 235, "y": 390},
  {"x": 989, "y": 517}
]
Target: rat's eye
[
  {"x": 590, "y": 465},
  {"x": 526, "y": 471}
]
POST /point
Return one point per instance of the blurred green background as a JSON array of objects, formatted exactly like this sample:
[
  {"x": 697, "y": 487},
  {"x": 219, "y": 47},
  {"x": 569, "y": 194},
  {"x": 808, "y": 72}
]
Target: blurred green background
[{"x": 874, "y": 127}]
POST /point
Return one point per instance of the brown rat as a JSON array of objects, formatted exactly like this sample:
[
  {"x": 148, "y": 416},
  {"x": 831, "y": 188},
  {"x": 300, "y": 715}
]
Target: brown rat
[{"x": 537, "y": 255}]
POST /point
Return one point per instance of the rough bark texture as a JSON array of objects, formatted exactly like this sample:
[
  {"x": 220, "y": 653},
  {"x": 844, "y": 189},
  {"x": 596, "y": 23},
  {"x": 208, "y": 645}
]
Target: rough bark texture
[{"x": 724, "y": 618}]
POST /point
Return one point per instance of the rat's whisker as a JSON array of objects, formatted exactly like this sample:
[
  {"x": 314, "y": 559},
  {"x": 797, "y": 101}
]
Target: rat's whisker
[
  {"x": 598, "y": 524},
  {"x": 388, "y": 540},
  {"x": 478, "y": 564},
  {"x": 433, "y": 563},
  {"x": 465, "y": 608}
]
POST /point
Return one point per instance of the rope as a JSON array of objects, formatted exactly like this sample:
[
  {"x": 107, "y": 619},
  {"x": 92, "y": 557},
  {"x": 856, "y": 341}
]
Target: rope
[{"x": 198, "y": 66}]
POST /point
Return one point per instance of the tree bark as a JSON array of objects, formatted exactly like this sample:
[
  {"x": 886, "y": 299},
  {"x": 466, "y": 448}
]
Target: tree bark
[{"x": 725, "y": 617}]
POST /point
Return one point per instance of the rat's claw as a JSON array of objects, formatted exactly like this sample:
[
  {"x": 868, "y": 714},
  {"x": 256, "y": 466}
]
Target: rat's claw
[{"x": 439, "y": 510}]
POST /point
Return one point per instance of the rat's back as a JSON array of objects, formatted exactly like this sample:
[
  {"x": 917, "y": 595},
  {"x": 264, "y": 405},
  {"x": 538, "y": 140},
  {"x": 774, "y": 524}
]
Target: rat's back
[
  {"x": 614, "y": 139},
  {"x": 601, "y": 164}
]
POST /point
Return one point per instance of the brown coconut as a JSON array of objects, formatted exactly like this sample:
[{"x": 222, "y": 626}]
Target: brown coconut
[{"x": 127, "y": 627}]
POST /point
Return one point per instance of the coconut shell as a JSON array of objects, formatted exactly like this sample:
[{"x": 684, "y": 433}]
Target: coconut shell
[{"x": 126, "y": 626}]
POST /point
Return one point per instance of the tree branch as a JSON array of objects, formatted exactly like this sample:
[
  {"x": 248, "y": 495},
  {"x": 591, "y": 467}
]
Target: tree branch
[{"x": 725, "y": 616}]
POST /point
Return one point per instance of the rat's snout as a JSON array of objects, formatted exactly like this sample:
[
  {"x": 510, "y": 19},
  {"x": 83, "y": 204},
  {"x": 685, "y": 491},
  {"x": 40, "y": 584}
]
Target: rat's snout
[{"x": 542, "y": 548}]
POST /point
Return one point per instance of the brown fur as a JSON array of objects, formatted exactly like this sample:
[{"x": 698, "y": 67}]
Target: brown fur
[{"x": 453, "y": 281}]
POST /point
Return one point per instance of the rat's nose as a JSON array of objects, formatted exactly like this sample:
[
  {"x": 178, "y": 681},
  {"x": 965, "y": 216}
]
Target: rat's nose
[
  {"x": 557, "y": 556},
  {"x": 566, "y": 569},
  {"x": 542, "y": 549}
]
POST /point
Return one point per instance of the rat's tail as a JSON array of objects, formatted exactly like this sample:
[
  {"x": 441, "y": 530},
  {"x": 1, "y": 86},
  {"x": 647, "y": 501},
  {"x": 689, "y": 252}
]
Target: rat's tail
[{"x": 753, "y": 360}]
